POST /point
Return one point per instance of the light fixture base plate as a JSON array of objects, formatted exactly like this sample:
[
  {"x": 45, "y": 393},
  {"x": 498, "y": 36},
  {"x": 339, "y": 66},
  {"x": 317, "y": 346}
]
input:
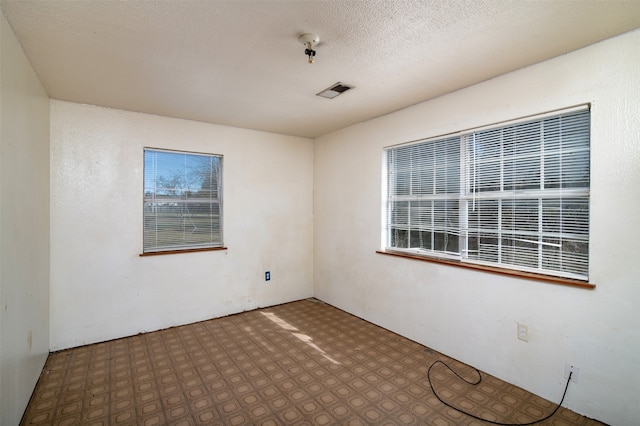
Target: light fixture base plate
[{"x": 309, "y": 39}]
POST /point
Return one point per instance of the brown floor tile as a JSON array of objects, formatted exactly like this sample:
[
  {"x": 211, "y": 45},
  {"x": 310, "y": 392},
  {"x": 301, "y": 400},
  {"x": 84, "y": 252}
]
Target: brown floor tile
[{"x": 299, "y": 363}]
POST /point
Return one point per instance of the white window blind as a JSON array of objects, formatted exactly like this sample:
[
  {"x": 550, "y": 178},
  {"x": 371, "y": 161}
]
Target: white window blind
[
  {"x": 182, "y": 200},
  {"x": 424, "y": 192},
  {"x": 514, "y": 196}
]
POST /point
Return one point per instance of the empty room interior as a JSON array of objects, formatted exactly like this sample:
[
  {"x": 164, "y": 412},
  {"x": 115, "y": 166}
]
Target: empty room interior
[{"x": 466, "y": 191}]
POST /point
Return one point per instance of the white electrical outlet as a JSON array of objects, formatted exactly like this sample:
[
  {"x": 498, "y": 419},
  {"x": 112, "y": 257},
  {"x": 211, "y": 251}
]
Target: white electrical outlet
[
  {"x": 523, "y": 332},
  {"x": 575, "y": 372}
]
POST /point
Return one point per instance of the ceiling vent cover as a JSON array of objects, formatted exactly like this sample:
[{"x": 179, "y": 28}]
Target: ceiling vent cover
[{"x": 334, "y": 90}]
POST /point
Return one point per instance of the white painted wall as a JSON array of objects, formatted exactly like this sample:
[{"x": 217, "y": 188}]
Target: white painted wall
[
  {"x": 101, "y": 289},
  {"x": 472, "y": 315},
  {"x": 24, "y": 227}
]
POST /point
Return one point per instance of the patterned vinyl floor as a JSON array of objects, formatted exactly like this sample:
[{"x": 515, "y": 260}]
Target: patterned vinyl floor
[{"x": 301, "y": 363}]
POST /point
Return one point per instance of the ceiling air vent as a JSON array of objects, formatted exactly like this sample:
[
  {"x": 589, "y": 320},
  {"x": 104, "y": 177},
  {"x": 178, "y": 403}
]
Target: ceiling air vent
[{"x": 334, "y": 90}]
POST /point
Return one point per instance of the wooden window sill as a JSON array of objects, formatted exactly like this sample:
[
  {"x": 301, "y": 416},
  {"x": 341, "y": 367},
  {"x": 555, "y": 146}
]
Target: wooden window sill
[
  {"x": 156, "y": 253},
  {"x": 502, "y": 271}
]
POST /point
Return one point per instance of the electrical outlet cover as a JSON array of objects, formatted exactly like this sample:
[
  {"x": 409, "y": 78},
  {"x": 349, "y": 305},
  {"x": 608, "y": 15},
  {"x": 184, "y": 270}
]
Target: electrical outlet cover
[
  {"x": 523, "y": 332},
  {"x": 568, "y": 368}
]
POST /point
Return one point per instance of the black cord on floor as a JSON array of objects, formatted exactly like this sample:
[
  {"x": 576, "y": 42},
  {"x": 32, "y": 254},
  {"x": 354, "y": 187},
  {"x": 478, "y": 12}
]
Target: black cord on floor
[{"x": 478, "y": 382}]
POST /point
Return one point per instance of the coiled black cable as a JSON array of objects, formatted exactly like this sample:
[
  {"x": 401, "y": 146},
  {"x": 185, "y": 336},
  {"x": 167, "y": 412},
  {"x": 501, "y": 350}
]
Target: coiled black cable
[{"x": 478, "y": 382}]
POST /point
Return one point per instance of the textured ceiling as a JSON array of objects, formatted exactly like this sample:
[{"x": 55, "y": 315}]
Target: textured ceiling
[{"x": 239, "y": 63}]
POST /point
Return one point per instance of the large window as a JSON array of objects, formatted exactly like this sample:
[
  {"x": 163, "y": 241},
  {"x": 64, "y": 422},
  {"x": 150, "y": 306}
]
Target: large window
[
  {"x": 514, "y": 196},
  {"x": 182, "y": 201}
]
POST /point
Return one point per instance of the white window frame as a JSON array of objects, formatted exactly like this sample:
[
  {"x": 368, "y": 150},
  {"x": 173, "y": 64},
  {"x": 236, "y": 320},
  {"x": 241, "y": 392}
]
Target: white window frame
[
  {"x": 193, "y": 213},
  {"x": 541, "y": 250}
]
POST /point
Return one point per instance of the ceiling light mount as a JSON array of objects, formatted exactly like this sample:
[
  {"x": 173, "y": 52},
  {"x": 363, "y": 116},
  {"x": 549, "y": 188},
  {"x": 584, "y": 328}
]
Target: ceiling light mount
[{"x": 309, "y": 40}]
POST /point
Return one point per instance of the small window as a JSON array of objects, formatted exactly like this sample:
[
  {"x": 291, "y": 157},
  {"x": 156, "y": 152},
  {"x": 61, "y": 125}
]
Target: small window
[
  {"x": 182, "y": 201},
  {"x": 514, "y": 196}
]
